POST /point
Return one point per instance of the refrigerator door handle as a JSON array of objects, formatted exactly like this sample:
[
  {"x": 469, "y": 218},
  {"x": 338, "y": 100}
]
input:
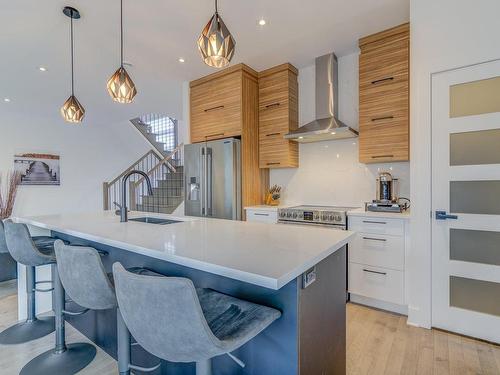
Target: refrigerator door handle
[
  {"x": 202, "y": 181},
  {"x": 209, "y": 181}
]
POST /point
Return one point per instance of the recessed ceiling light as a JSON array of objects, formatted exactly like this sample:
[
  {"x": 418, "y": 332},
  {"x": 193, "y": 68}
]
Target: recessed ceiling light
[
  {"x": 333, "y": 133},
  {"x": 262, "y": 22},
  {"x": 42, "y": 68},
  {"x": 181, "y": 60},
  {"x": 301, "y": 137},
  {"x": 6, "y": 100}
]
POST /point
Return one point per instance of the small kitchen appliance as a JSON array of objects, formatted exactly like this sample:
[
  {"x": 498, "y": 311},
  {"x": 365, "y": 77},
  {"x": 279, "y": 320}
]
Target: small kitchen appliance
[{"x": 387, "y": 198}]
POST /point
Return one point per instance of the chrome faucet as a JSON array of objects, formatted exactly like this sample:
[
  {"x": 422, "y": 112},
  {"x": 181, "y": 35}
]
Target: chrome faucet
[{"x": 123, "y": 205}]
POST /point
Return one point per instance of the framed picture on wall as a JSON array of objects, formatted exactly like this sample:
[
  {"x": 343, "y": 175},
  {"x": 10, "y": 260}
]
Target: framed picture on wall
[{"x": 38, "y": 169}]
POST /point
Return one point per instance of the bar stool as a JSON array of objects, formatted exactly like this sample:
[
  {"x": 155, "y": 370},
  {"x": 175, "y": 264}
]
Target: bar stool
[
  {"x": 176, "y": 322},
  {"x": 8, "y": 266},
  {"x": 31, "y": 252},
  {"x": 86, "y": 282}
]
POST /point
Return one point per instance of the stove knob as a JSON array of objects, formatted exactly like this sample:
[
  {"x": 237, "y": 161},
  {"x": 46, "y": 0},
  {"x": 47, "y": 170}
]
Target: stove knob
[
  {"x": 338, "y": 218},
  {"x": 331, "y": 217},
  {"x": 282, "y": 214},
  {"x": 316, "y": 216},
  {"x": 295, "y": 215},
  {"x": 301, "y": 215},
  {"x": 288, "y": 214}
]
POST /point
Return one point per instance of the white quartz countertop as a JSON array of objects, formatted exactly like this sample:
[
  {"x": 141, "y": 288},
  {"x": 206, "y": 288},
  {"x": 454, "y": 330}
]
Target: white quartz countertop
[
  {"x": 266, "y": 255},
  {"x": 395, "y": 215}
]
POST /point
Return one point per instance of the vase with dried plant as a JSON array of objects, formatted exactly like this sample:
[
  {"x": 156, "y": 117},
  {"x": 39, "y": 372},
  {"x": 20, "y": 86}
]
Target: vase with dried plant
[{"x": 8, "y": 194}]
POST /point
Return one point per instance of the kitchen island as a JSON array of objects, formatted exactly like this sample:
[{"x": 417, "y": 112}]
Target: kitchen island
[{"x": 296, "y": 269}]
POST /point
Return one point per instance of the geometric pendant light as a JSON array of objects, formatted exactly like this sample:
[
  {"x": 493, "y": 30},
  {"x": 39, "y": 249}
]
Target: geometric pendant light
[
  {"x": 216, "y": 44},
  {"x": 72, "y": 110},
  {"x": 121, "y": 88}
]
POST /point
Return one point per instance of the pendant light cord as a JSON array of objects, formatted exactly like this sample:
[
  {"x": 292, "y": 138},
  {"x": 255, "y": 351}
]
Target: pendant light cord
[
  {"x": 216, "y": 10},
  {"x": 121, "y": 33},
  {"x": 72, "y": 53}
]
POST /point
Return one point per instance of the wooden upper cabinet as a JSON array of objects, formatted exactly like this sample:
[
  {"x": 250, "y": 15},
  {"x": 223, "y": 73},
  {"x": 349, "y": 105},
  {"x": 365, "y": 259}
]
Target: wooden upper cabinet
[
  {"x": 384, "y": 96},
  {"x": 278, "y": 114},
  {"x": 216, "y": 104}
]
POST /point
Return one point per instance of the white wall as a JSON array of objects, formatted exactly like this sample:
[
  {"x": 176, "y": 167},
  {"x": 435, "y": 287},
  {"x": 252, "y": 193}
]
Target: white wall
[
  {"x": 329, "y": 172},
  {"x": 445, "y": 34},
  {"x": 90, "y": 154}
]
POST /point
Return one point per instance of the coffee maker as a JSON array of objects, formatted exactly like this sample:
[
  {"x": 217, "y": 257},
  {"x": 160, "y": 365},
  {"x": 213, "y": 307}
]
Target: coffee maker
[{"x": 387, "y": 198}]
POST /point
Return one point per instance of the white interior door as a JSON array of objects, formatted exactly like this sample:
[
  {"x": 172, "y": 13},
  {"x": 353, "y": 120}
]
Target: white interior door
[{"x": 466, "y": 185}]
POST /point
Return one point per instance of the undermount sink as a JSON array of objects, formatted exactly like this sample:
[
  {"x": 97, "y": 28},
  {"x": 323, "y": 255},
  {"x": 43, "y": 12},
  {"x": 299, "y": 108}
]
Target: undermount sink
[{"x": 154, "y": 220}]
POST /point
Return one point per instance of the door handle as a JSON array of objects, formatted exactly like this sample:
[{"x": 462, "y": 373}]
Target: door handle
[{"x": 442, "y": 215}]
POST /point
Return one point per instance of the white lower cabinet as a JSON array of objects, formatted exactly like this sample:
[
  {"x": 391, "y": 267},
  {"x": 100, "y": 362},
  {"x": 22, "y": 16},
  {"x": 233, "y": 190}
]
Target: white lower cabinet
[
  {"x": 377, "y": 261},
  {"x": 263, "y": 214}
]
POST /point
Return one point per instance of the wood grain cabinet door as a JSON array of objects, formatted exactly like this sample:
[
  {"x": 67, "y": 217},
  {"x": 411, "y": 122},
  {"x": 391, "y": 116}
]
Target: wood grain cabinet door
[
  {"x": 384, "y": 96},
  {"x": 216, "y": 108},
  {"x": 278, "y": 110}
]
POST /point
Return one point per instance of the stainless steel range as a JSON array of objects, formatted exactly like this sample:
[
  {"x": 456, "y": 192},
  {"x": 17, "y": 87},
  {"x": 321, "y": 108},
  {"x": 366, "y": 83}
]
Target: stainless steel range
[{"x": 327, "y": 216}]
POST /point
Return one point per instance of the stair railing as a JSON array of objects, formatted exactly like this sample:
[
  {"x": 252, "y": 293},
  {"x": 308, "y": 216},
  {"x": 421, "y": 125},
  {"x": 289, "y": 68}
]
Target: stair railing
[{"x": 163, "y": 171}]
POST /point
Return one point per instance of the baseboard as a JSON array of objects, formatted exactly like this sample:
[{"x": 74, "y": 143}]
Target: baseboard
[{"x": 388, "y": 306}]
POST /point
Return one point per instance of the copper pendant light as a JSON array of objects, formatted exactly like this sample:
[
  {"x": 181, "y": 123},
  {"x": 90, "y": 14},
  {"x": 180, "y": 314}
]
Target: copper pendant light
[
  {"x": 121, "y": 88},
  {"x": 216, "y": 44},
  {"x": 72, "y": 110}
]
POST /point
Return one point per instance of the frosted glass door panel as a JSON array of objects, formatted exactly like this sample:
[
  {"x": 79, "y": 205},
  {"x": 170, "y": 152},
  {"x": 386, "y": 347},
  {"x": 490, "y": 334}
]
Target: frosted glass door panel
[
  {"x": 477, "y": 246},
  {"x": 475, "y": 148}
]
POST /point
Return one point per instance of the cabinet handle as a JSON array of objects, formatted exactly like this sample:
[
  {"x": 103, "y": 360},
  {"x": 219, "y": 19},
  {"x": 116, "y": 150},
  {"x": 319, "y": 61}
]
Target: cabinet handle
[
  {"x": 214, "y": 135},
  {"x": 382, "y": 118},
  {"x": 258, "y": 214},
  {"x": 382, "y": 156},
  {"x": 214, "y": 108},
  {"x": 274, "y": 163},
  {"x": 382, "y": 80},
  {"x": 374, "y": 222},
  {"x": 272, "y": 105},
  {"x": 272, "y": 134},
  {"x": 377, "y": 272},
  {"x": 375, "y": 239}
]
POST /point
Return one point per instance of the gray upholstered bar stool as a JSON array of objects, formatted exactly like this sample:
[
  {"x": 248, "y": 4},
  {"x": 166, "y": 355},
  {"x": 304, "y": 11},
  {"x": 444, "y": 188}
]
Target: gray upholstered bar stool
[
  {"x": 86, "y": 282},
  {"x": 31, "y": 252},
  {"x": 176, "y": 322},
  {"x": 8, "y": 267}
]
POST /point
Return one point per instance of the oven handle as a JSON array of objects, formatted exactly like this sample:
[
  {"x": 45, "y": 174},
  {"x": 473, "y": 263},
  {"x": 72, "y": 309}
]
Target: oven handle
[{"x": 331, "y": 226}]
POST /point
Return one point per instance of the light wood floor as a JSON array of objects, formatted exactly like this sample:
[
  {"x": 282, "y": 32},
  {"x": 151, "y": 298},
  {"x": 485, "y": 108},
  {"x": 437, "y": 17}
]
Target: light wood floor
[{"x": 377, "y": 343}]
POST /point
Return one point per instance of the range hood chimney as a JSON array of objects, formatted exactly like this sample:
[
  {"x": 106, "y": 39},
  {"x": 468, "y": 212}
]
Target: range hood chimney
[{"x": 327, "y": 126}]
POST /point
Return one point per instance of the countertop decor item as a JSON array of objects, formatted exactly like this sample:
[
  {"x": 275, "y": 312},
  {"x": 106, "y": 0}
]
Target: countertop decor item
[
  {"x": 216, "y": 44},
  {"x": 8, "y": 194},
  {"x": 72, "y": 110},
  {"x": 121, "y": 88},
  {"x": 273, "y": 196}
]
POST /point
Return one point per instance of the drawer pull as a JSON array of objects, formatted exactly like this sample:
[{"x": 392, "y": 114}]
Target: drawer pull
[
  {"x": 214, "y": 135},
  {"x": 274, "y": 163},
  {"x": 382, "y": 156},
  {"x": 382, "y": 80},
  {"x": 374, "y": 222},
  {"x": 272, "y": 105},
  {"x": 259, "y": 214},
  {"x": 375, "y": 239},
  {"x": 377, "y": 272},
  {"x": 214, "y": 108},
  {"x": 272, "y": 134},
  {"x": 382, "y": 118}
]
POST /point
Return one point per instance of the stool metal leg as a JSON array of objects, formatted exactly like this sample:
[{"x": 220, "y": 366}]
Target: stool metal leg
[
  {"x": 63, "y": 359},
  {"x": 123, "y": 340},
  {"x": 204, "y": 367},
  {"x": 33, "y": 328}
]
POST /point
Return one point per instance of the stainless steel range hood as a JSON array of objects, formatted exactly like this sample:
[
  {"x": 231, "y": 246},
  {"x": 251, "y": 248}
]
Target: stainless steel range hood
[{"x": 327, "y": 126}]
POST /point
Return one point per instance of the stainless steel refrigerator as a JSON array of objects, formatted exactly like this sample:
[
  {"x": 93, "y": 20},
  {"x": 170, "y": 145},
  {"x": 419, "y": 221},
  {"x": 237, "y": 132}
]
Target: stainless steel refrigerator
[{"x": 212, "y": 173}]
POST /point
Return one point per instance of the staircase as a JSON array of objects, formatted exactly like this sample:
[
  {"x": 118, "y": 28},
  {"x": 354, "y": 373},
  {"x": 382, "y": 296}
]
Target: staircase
[{"x": 164, "y": 165}]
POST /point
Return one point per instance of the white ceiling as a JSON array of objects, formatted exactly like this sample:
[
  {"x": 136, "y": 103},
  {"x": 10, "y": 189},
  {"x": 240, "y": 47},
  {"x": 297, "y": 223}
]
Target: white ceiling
[{"x": 35, "y": 33}]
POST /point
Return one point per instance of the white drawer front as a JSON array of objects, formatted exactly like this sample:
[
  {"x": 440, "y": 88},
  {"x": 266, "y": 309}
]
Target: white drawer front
[
  {"x": 378, "y": 250},
  {"x": 393, "y": 227},
  {"x": 262, "y": 216},
  {"x": 376, "y": 282}
]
